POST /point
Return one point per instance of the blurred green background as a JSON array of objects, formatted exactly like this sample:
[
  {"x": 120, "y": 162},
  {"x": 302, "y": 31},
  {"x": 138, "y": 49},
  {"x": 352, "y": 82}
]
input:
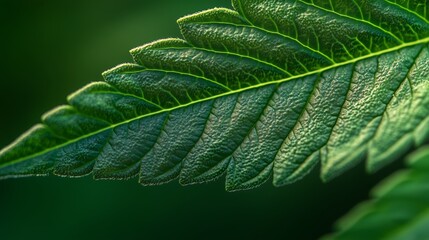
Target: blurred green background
[{"x": 50, "y": 49}]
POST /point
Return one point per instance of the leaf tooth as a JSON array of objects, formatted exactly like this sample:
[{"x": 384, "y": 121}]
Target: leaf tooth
[
  {"x": 77, "y": 158},
  {"x": 394, "y": 152},
  {"x": 256, "y": 157},
  {"x": 312, "y": 128},
  {"x": 344, "y": 39},
  {"x": 121, "y": 157},
  {"x": 213, "y": 30},
  {"x": 128, "y": 146},
  {"x": 367, "y": 109},
  {"x": 180, "y": 132},
  {"x": 293, "y": 172},
  {"x": 67, "y": 122},
  {"x": 162, "y": 43},
  {"x": 404, "y": 25},
  {"x": 403, "y": 113},
  {"x": 228, "y": 69},
  {"x": 121, "y": 69},
  {"x": 243, "y": 171},
  {"x": 207, "y": 160},
  {"x": 220, "y": 15},
  {"x": 259, "y": 177},
  {"x": 211, "y": 155},
  {"x": 246, "y": 173},
  {"x": 28, "y": 145},
  {"x": 344, "y": 160},
  {"x": 163, "y": 88},
  {"x": 100, "y": 100}
]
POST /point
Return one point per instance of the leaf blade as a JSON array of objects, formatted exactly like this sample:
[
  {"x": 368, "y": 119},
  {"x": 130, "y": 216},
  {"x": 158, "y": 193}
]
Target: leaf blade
[{"x": 196, "y": 109}]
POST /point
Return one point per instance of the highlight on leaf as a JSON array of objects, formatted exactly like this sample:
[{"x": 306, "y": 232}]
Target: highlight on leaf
[{"x": 267, "y": 90}]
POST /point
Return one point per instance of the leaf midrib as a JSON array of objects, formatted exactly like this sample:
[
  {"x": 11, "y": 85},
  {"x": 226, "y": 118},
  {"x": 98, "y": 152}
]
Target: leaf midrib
[{"x": 389, "y": 50}]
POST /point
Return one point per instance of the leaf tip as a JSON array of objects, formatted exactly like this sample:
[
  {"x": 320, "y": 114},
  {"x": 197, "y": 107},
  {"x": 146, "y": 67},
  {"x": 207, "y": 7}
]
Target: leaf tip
[
  {"x": 55, "y": 111},
  {"x": 94, "y": 86},
  {"x": 336, "y": 163},
  {"x": 162, "y": 43},
  {"x": 122, "y": 68},
  {"x": 214, "y": 14},
  {"x": 377, "y": 159}
]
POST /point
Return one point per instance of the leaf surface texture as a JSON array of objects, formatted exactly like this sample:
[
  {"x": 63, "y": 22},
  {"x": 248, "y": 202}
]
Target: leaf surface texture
[{"x": 267, "y": 90}]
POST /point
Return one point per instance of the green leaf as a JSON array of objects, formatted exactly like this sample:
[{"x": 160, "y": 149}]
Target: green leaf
[
  {"x": 270, "y": 89},
  {"x": 399, "y": 210}
]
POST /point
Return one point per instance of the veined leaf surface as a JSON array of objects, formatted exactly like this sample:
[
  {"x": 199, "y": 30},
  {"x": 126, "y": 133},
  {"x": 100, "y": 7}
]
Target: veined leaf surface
[{"x": 270, "y": 89}]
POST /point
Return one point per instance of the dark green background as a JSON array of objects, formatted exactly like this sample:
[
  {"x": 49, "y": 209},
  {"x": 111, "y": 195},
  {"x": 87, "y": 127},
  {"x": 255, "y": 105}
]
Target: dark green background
[{"x": 50, "y": 48}]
